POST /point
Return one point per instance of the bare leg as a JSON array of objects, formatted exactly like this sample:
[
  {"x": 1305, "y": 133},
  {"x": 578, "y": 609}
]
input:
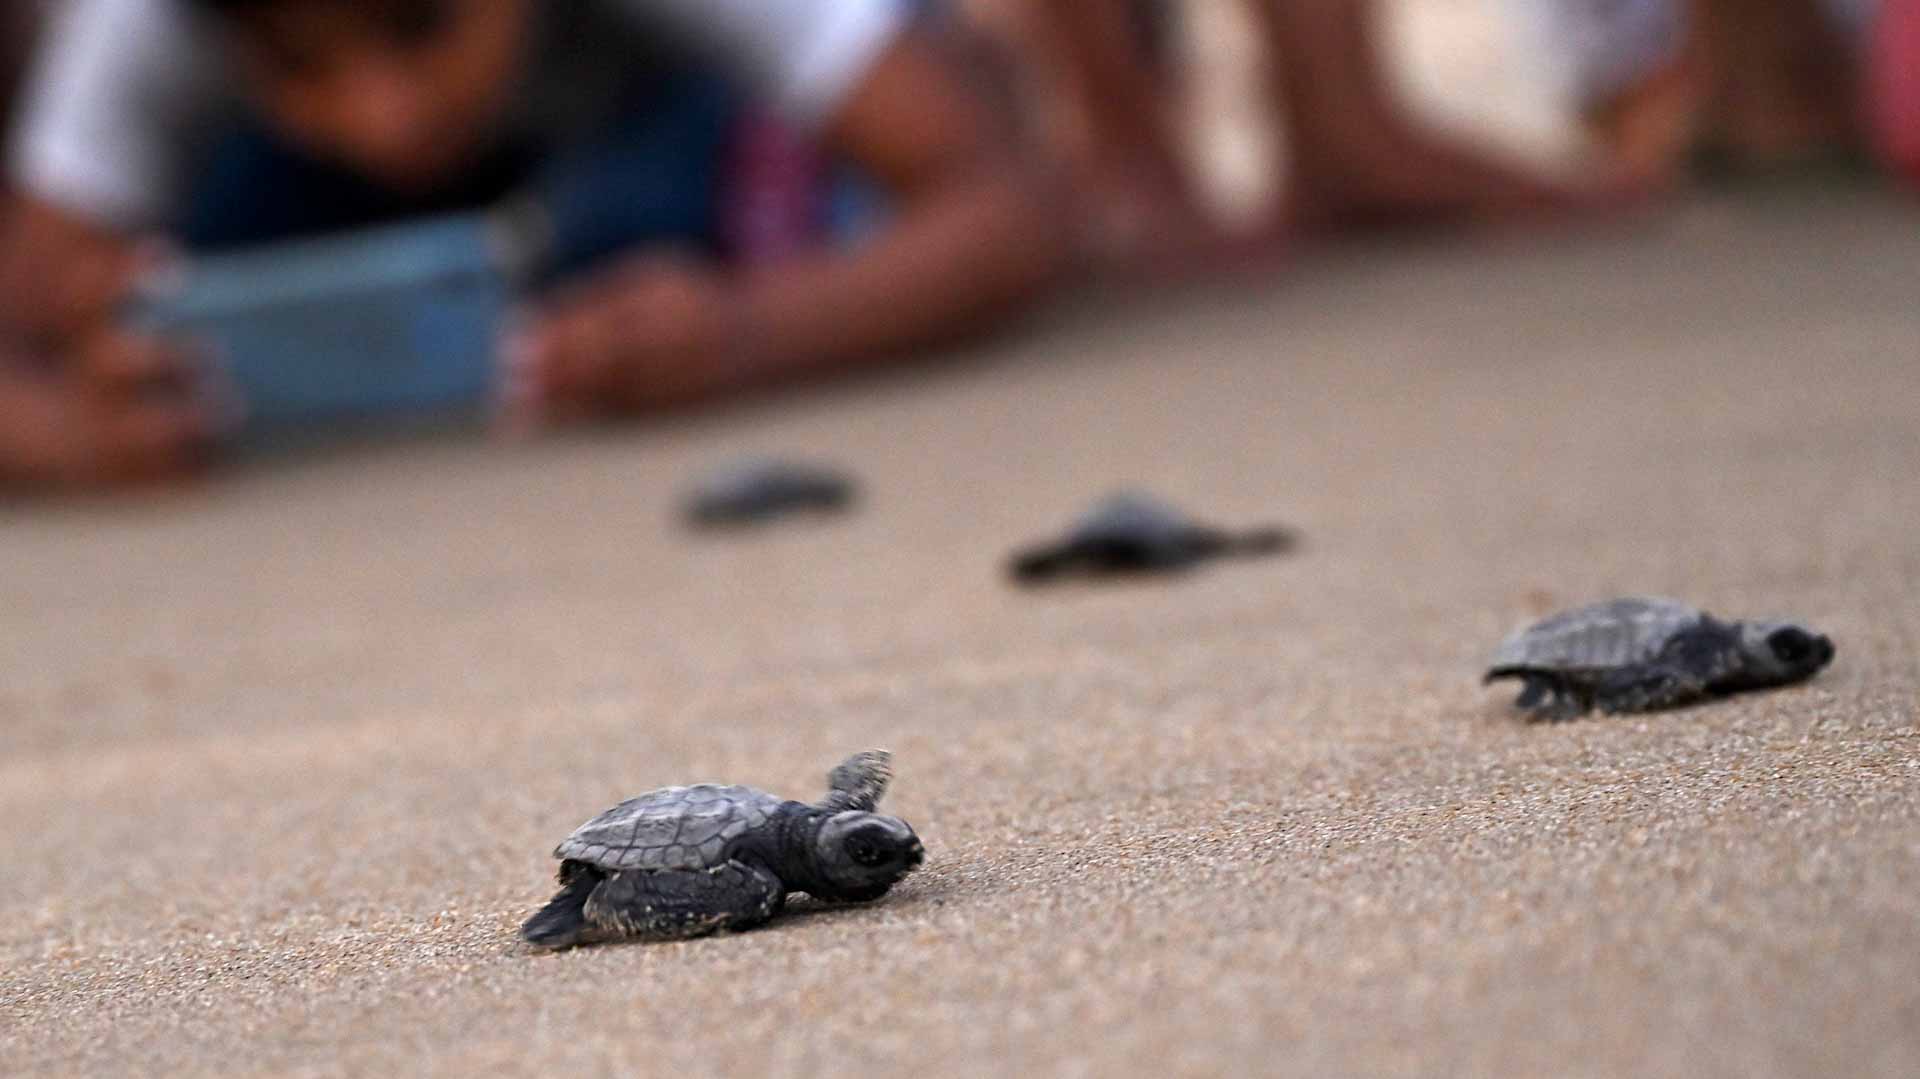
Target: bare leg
[
  {"x": 1107, "y": 107},
  {"x": 1778, "y": 81},
  {"x": 1356, "y": 156}
]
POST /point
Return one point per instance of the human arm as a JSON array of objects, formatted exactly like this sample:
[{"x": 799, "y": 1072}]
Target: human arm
[
  {"x": 971, "y": 239},
  {"x": 91, "y": 155},
  {"x": 81, "y": 403}
]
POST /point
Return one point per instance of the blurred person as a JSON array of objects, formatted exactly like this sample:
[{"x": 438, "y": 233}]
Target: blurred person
[
  {"x": 19, "y": 21},
  {"x": 1779, "y": 80},
  {"x": 1881, "y": 39},
  {"x": 36, "y": 430},
  {"x": 1769, "y": 84},
  {"x": 1894, "y": 87},
  {"x": 1764, "y": 85},
  {"x": 1114, "y": 85},
  {"x": 1098, "y": 84},
  {"x": 1360, "y": 155},
  {"x": 356, "y": 112}
]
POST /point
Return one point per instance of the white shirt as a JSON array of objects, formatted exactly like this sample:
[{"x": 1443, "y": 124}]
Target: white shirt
[{"x": 122, "y": 89}]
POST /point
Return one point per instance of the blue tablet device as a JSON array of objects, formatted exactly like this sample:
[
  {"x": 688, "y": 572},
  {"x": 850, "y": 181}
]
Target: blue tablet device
[
  {"x": 402, "y": 321},
  {"x": 392, "y": 322}
]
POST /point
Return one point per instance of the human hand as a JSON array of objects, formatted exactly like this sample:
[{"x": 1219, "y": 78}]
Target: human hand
[
  {"x": 654, "y": 332},
  {"x": 122, "y": 410},
  {"x": 61, "y": 277}
]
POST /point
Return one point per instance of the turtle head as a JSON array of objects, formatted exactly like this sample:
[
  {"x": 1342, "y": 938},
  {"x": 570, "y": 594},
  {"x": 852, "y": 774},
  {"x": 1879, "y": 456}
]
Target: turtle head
[
  {"x": 1777, "y": 653},
  {"x": 859, "y": 855}
]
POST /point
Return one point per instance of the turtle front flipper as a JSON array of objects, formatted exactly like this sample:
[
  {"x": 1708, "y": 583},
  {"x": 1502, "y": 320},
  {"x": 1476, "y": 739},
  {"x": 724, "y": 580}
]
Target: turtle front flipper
[
  {"x": 675, "y": 904},
  {"x": 859, "y": 782}
]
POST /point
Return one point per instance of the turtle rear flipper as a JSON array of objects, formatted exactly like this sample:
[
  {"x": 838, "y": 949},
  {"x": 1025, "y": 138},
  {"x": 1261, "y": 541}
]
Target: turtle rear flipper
[
  {"x": 562, "y": 922},
  {"x": 675, "y": 904},
  {"x": 1554, "y": 701},
  {"x": 1545, "y": 696},
  {"x": 1043, "y": 562},
  {"x": 859, "y": 782},
  {"x": 1538, "y": 691}
]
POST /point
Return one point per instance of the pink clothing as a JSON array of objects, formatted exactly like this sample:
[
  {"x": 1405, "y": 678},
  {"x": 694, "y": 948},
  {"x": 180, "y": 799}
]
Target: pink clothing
[
  {"x": 773, "y": 203},
  {"x": 1894, "y": 87}
]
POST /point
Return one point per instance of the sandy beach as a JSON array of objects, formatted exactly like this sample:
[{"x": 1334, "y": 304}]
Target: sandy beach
[{"x": 282, "y": 757}]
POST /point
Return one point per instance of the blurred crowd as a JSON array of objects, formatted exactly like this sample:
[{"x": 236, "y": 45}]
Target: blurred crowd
[{"x": 890, "y": 176}]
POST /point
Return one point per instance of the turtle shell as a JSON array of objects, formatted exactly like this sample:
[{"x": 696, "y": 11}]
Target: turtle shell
[
  {"x": 1616, "y": 633},
  {"x": 670, "y": 828},
  {"x": 1131, "y": 515},
  {"x": 754, "y": 491}
]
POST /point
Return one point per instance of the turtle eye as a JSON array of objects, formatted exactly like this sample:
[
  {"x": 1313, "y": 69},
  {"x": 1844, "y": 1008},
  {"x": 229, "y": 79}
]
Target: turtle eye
[
  {"x": 1791, "y": 645},
  {"x": 863, "y": 851}
]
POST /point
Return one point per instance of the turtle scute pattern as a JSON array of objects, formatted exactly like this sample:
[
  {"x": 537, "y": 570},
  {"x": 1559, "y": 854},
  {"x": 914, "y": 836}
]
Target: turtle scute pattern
[
  {"x": 758, "y": 491},
  {"x": 671, "y": 828},
  {"x": 1611, "y": 634}
]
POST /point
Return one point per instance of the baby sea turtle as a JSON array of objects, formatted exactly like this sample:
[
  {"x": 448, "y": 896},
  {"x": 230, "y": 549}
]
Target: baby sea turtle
[
  {"x": 1636, "y": 655},
  {"x": 686, "y": 861},
  {"x": 754, "y": 491},
  {"x": 1135, "y": 533}
]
